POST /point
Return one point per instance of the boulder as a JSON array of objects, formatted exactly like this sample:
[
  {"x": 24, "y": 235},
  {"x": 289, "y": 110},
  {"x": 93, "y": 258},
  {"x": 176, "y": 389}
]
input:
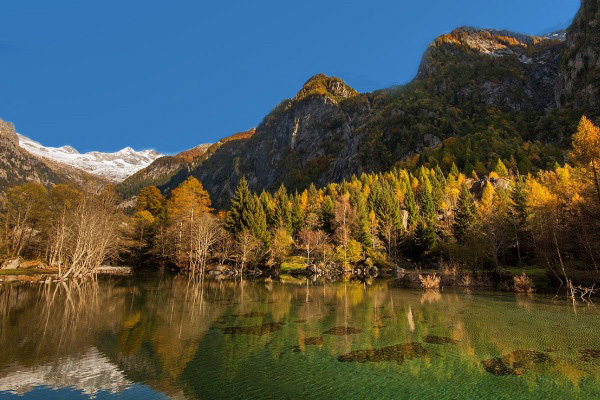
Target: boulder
[{"x": 12, "y": 263}]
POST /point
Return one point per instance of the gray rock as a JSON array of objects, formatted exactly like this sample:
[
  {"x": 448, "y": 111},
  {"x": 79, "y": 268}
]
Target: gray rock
[{"x": 12, "y": 263}]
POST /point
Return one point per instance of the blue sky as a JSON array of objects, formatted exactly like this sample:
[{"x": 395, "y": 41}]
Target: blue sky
[{"x": 170, "y": 75}]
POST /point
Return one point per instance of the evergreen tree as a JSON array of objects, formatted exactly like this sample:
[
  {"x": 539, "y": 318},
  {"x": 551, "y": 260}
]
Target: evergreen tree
[
  {"x": 256, "y": 220},
  {"x": 518, "y": 213},
  {"x": 327, "y": 214},
  {"x": 411, "y": 206},
  {"x": 421, "y": 241},
  {"x": 282, "y": 212},
  {"x": 500, "y": 169},
  {"x": 237, "y": 219},
  {"x": 464, "y": 215},
  {"x": 428, "y": 209},
  {"x": 297, "y": 215}
]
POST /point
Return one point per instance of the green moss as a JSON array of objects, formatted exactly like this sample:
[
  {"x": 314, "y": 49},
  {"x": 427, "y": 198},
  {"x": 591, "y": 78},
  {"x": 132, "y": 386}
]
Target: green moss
[
  {"x": 294, "y": 263},
  {"x": 25, "y": 271}
]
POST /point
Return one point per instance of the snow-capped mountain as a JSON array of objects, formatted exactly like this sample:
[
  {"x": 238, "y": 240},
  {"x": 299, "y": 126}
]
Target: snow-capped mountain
[{"x": 112, "y": 166}]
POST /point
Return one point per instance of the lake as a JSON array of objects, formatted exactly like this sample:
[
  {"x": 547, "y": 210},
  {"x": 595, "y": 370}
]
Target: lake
[{"x": 162, "y": 336}]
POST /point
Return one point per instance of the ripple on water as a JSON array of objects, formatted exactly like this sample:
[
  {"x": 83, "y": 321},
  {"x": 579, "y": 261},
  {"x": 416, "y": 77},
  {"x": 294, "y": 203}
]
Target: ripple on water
[
  {"x": 398, "y": 353},
  {"x": 300, "y": 321},
  {"x": 253, "y": 314},
  {"x": 514, "y": 363},
  {"x": 342, "y": 330}
]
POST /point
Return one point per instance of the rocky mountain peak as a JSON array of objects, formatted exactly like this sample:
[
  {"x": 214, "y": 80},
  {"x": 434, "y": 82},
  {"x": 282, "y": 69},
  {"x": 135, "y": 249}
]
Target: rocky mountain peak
[
  {"x": 112, "y": 166},
  {"x": 323, "y": 85},
  {"x": 491, "y": 41}
]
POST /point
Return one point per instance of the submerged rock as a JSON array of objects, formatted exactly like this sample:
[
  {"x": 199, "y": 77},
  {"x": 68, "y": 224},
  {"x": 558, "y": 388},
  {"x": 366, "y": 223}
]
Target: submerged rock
[
  {"x": 515, "y": 363},
  {"x": 313, "y": 341},
  {"x": 431, "y": 339},
  {"x": 589, "y": 354},
  {"x": 342, "y": 330},
  {"x": 398, "y": 353}
]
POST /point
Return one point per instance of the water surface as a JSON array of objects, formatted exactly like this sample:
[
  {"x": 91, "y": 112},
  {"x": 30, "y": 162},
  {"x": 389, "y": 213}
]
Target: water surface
[{"x": 166, "y": 337}]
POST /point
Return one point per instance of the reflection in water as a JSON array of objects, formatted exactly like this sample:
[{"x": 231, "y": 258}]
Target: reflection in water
[{"x": 163, "y": 335}]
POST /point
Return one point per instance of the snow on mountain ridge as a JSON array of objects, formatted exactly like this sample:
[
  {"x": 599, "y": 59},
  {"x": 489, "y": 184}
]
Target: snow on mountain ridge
[{"x": 112, "y": 166}]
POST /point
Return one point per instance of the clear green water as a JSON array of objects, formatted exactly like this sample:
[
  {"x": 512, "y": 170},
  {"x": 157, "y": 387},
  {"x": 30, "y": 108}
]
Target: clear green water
[{"x": 163, "y": 337}]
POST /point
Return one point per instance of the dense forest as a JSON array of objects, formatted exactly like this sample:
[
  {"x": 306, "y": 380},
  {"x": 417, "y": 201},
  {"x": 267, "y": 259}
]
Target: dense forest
[{"x": 416, "y": 217}]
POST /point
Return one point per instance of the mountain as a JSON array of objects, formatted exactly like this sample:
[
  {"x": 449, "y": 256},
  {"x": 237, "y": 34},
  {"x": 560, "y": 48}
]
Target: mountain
[
  {"x": 178, "y": 167},
  {"x": 479, "y": 95},
  {"x": 18, "y": 166},
  {"x": 114, "y": 167},
  {"x": 579, "y": 81}
]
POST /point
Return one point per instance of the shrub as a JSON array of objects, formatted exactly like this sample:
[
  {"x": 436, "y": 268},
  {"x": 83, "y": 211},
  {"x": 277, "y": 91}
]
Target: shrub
[
  {"x": 430, "y": 281},
  {"x": 523, "y": 284}
]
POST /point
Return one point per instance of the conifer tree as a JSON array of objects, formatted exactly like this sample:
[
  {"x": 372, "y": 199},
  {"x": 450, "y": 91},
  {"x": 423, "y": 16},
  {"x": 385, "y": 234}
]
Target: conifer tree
[
  {"x": 327, "y": 214},
  {"x": 464, "y": 215},
  {"x": 428, "y": 209},
  {"x": 255, "y": 220},
  {"x": 411, "y": 206},
  {"x": 150, "y": 199},
  {"x": 282, "y": 212},
  {"x": 500, "y": 169},
  {"x": 237, "y": 217},
  {"x": 586, "y": 148}
]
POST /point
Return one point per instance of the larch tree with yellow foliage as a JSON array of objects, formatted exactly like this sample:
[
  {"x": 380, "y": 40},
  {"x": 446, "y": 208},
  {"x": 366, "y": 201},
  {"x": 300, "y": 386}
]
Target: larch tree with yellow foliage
[
  {"x": 586, "y": 148},
  {"x": 188, "y": 206}
]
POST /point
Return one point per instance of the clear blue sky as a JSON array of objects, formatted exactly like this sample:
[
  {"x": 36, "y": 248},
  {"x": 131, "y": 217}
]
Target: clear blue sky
[{"x": 169, "y": 75}]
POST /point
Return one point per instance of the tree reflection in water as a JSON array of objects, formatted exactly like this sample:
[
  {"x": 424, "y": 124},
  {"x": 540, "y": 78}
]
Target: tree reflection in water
[{"x": 221, "y": 338}]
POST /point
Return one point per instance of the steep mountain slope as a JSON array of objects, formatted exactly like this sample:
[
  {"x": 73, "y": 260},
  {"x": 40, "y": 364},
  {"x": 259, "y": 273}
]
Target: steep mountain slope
[
  {"x": 175, "y": 168},
  {"x": 19, "y": 166},
  {"x": 579, "y": 82},
  {"x": 113, "y": 166}
]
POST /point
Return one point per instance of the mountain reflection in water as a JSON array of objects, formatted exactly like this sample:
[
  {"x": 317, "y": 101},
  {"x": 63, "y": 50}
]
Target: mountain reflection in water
[{"x": 159, "y": 336}]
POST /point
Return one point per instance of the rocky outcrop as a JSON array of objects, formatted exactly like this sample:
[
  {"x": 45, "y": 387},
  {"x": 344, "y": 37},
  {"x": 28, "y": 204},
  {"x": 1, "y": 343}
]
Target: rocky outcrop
[
  {"x": 515, "y": 71},
  {"x": 578, "y": 85}
]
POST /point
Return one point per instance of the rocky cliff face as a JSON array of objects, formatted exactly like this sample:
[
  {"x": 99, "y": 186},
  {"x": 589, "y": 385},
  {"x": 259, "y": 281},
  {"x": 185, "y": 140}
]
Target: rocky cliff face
[
  {"x": 578, "y": 85},
  {"x": 19, "y": 166},
  {"x": 514, "y": 71}
]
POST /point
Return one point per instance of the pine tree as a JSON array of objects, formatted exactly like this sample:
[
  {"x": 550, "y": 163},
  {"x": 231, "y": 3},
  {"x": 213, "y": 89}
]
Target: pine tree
[
  {"x": 255, "y": 220},
  {"x": 388, "y": 213},
  {"x": 237, "y": 220},
  {"x": 282, "y": 212},
  {"x": 518, "y": 213},
  {"x": 297, "y": 215},
  {"x": 411, "y": 206},
  {"x": 428, "y": 209},
  {"x": 464, "y": 215},
  {"x": 327, "y": 214}
]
